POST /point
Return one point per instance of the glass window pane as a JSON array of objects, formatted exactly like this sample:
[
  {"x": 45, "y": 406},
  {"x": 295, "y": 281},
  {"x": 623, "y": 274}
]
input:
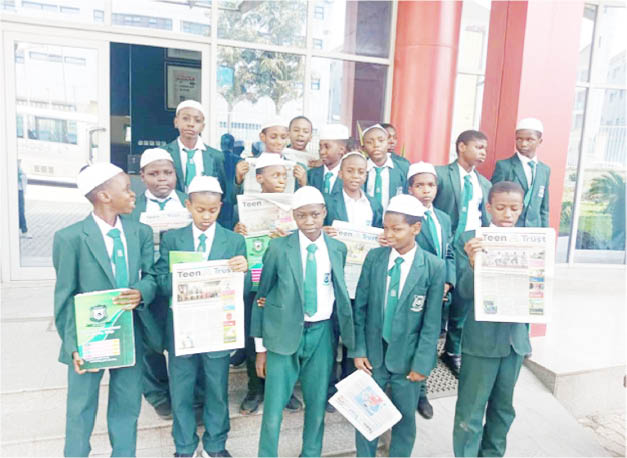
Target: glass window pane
[
  {"x": 601, "y": 230},
  {"x": 467, "y": 109},
  {"x": 178, "y": 16},
  {"x": 270, "y": 22},
  {"x": 70, "y": 10},
  {"x": 347, "y": 93},
  {"x": 473, "y": 39},
  {"x": 585, "y": 42},
  {"x": 609, "y": 51},
  {"x": 254, "y": 85},
  {"x": 353, "y": 27}
]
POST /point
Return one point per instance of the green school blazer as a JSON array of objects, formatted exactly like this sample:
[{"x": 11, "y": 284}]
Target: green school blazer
[
  {"x": 315, "y": 178},
  {"x": 336, "y": 209},
  {"x": 398, "y": 182},
  {"x": 536, "y": 214},
  {"x": 226, "y": 245},
  {"x": 485, "y": 338},
  {"x": 82, "y": 265},
  {"x": 416, "y": 325},
  {"x": 140, "y": 204},
  {"x": 400, "y": 162},
  {"x": 425, "y": 241},
  {"x": 448, "y": 198},
  {"x": 281, "y": 321}
]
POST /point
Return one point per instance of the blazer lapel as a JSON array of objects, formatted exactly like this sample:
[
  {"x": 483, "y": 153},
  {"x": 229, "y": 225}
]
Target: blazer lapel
[
  {"x": 173, "y": 149},
  {"x": 425, "y": 233},
  {"x": 182, "y": 197},
  {"x": 519, "y": 171},
  {"x": 295, "y": 263},
  {"x": 334, "y": 255},
  {"x": 412, "y": 276},
  {"x": 337, "y": 186},
  {"x": 207, "y": 161},
  {"x": 132, "y": 247},
  {"x": 381, "y": 271},
  {"x": 140, "y": 204},
  {"x": 96, "y": 245},
  {"x": 342, "y": 214},
  {"x": 186, "y": 239},
  {"x": 453, "y": 175},
  {"x": 219, "y": 245}
]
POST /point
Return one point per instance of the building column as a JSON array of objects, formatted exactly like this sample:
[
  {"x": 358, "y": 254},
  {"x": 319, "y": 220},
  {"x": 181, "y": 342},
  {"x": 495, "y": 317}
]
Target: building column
[{"x": 425, "y": 66}]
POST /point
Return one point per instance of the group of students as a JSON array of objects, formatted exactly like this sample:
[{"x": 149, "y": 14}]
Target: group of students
[{"x": 416, "y": 286}]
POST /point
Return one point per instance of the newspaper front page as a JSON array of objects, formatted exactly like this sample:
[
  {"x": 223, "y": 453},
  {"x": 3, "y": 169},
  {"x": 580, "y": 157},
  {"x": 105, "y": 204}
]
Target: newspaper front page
[
  {"x": 262, "y": 213},
  {"x": 364, "y": 404},
  {"x": 358, "y": 240},
  {"x": 207, "y": 307},
  {"x": 165, "y": 220},
  {"x": 250, "y": 180},
  {"x": 514, "y": 275}
]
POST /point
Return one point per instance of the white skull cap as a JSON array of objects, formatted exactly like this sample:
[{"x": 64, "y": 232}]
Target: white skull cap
[
  {"x": 306, "y": 195},
  {"x": 204, "y": 184},
  {"x": 96, "y": 174}
]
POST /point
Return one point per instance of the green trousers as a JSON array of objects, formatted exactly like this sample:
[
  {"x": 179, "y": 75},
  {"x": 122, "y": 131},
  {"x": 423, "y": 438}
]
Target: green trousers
[
  {"x": 255, "y": 384},
  {"x": 404, "y": 396},
  {"x": 124, "y": 404},
  {"x": 457, "y": 313},
  {"x": 312, "y": 365},
  {"x": 156, "y": 390},
  {"x": 486, "y": 388}
]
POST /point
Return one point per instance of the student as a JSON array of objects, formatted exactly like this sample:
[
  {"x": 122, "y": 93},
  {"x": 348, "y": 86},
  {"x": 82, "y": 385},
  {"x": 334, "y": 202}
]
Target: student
[
  {"x": 271, "y": 174},
  {"x": 207, "y": 236},
  {"x": 385, "y": 180},
  {"x": 333, "y": 138},
  {"x": 435, "y": 237},
  {"x": 493, "y": 352},
  {"x": 302, "y": 289},
  {"x": 462, "y": 194},
  {"x": 103, "y": 252},
  {"x": 397, "y": 319},
  {"x": 274, "y": 135},
  {"x": 300, "y": 131},
  {"x": 399, "y": 161},
  {"x": 525, "y": 169}
]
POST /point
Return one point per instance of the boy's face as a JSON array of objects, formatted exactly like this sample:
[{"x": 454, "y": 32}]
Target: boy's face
[
  {"x": 309, "y": 219},
  {"x": 399, "y": 234},
  {"x": 424, "y": 187},
  {"x": 119, "y": 195},
  {"x": 159, "y": 177},
  {"x": 527, "y": 141},
  {"x": 275, "y": 138},
  {"x": 474, "y": 152},
  {"x": 331, "y": 151},
  {"x": 204, "y": 207},
  {"x": 505, "y": 208},
  {"x": 353, "y": 173},
  {"x": 190, "y": 122},
  {"x": 376, "y": 145},
  {"x": 272, "y": 178},
  {"x": 392, "y": 138},
  {"x": 300, "y": 134}
]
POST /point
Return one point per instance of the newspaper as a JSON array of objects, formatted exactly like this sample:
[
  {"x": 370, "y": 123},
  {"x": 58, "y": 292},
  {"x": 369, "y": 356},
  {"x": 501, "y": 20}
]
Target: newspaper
[
  {"x": 514, "y": 276},
  {"x": 165, "y": 220},
  {"x": 359, "y": 240},
  {"x": 262, "y": 213},
  {"x": 300, "y": 157},
  {"x": 364, "y": 404},
  {"x": 207, "y": 307},
  {"x": 250, "y": 179}
]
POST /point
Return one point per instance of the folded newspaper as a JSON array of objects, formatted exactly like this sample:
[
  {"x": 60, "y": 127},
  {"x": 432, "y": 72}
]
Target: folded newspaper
[
  {"x": 165, "y": 220},
  {"x": 262, "y": 213},
  {"x": 364, "y": 404}
]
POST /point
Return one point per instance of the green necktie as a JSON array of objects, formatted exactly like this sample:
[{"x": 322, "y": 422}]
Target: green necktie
[
  {"x": 119, "y": 259},
  {"x": 434, "y": 233},
  {"x": 190, "y": 168},
  {"x": 161, "y": 203},
  {"x": 532, "y": 165},
  {"x": 392, "y": 298},
  {"x": 463, "y": 215},
  {"x": 202, "y": 247},
  {"x": 378, "y": 185},
  {"x": 327, "y": 182},
  {"x": 311, "y": 288}
]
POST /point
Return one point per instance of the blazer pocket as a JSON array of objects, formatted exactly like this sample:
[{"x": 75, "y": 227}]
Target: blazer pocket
[{"x": 273, "y": 305}]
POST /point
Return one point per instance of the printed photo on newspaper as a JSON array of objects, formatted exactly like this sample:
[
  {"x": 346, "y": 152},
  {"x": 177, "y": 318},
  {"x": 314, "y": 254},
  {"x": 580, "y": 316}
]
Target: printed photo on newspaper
[
  {"x": 514, "y": 275},
  {"x": 263, "y": 213},
  {"x": 364, "y": 404},
  {"x": 207, "y": 307},
  {"x": 358, "y": 240},
  {"x": 250, "y": 179}
]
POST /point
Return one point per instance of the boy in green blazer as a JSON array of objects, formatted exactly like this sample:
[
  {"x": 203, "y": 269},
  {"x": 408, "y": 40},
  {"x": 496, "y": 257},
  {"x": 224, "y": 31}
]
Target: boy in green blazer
[
  {"x": 493, "y": 352},
  {"x": 385, "y": 180},
  {"x": 397, "y": 310},
  {"x": 207, "y": 236},
  {"x": 399, "y": 161},
  {"x": 525, "y": 169},
  {"x": 302, "y": 289},
  {"x": 462, "y": 194},
  {"x": 435, "y": 237},
  {"x": 333, "y": 145},
  {"x": 103, "y": 252}
]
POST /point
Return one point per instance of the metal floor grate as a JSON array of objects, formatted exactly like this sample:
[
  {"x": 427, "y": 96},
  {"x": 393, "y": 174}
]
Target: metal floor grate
[{"x": 441, "y": 383}]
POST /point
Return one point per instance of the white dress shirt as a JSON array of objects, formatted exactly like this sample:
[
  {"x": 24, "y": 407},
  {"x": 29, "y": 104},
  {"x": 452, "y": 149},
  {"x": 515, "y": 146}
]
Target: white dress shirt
[
  {"x": 358, "y": 211},
  {"x": 525, "y": 165},
  {"x": 171, "y": 205},
  {"x": 334, "y": 171},
  {"x": 200, "y": 147},
  {"x": 408, "y": 260},
  {"x": 104, "y": 229},
  {"x": 438, "y": 228},
  {"x": 385, "y": 180},
  {"x": 473, "y": 217},
  {"x": 210, "y": 233}
]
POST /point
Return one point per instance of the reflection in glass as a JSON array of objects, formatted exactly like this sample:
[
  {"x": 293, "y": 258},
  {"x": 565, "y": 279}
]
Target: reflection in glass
[
  {"x": 609, "y": 51},
  {"x": 69, "y": 10},
  {"x": 585, "y": 42},
  {"x": 254, "y": 85},
  {"x": 178, "y": 16}
]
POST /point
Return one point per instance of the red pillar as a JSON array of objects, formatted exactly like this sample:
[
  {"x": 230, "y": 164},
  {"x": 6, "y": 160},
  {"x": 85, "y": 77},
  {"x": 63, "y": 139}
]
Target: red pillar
[{"x": 425, "y": 65}]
